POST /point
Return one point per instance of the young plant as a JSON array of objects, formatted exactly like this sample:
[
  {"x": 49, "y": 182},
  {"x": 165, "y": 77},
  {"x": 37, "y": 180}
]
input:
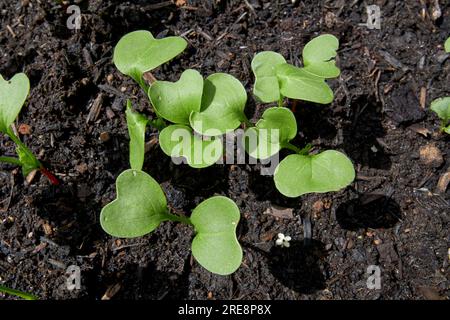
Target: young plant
[
  {"x": 275, "y": 79},
  {"x": 210, "y": 107},
  {"x": 200, "y": 111},
  {"x": 441, "y": 106},
  {"x": 13, "y": 94},
  {"x": 141, "y": 206},
  {"x": 17, "y": 293}
]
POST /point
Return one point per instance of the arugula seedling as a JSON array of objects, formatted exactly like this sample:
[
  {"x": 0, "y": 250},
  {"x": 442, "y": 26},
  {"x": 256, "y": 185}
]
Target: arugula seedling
[
  {"x": 275, "y": 79},
  {"x": 141, "y": 206},
  {"x": 441, "y": 107},
  {"x": 17, "y": 293},
  {"x": 301, "y": 172},
  {"x": 211, "y": 107},
  {"x": 13, "y": 94},
  {"x": 139, "y": 52}
]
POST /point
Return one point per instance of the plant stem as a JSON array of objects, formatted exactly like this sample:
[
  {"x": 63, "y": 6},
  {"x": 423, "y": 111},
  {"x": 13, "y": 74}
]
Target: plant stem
[
  {"x": 280, "y": 101},
  {"x": 290, "y": 146},
  {"x": 297, "y": 150},
  {"x": 11, "y": 160},
  {"x": 21, "y": 145},
  {"x": 176, "y": 218},
  {"x": 18, "y": 293},
  {"x": 247, "y": 122}
]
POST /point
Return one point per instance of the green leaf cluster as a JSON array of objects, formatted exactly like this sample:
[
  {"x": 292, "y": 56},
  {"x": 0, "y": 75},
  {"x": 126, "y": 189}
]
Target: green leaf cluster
[
  {"x": 210, "y": 108},
  {"x": 441, "y": 107},
  {"x": 13, "y": 94},
  {"x": 275, "y": 78},
  {"x": 141, "y": 206}
]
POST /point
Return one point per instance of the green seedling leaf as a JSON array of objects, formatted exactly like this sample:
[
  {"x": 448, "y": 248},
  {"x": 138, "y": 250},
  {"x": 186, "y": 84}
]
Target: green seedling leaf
[
  {"x": 139, "y": 208},
  {"x": 300, "y": 174},
  {"x": 280, "y": 120},
  {"x": 28, "y": 160},
  {"x": 215, "y": 245},
  {"x": 447, "y": 45},
  {"x": 175, "y": 101},
  {"x": 13, "y": 94},
  {"x": 257, "y": 144},
  {"x": 441, "y": 107},
  {"x": 264, "y": 66},
  {"x": 136, "y": 123},
  {"x": 276, "y": 128},
  {"x": 223, "y": 104},
  {"x": 318, "y": 55},
  {"x": 297, "y": 83},
  {"x": 138, "y": 52},
  {"x": 180, "y": 141}
]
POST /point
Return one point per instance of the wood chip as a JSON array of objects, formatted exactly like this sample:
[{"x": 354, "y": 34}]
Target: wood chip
[
  {"x": 47, "y": 229},
  {"x": 280, "y": 212},
  {"x": 423, "y": 97},
  {"x": 443, "y": 182},
  {"x": 95, "y": 108},
  {"x": 111, "y": 291},
  {"x": 419, "y": 129},
  {"x": 431, "y": 156}
]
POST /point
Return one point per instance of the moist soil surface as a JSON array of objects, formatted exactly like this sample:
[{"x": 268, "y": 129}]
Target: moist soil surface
[{"x": 394, "y": 216}]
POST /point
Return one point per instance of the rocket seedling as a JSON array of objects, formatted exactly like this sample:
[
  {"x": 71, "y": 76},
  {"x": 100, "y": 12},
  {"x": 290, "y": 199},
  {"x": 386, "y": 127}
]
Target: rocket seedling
[
  {"x": 13, "y": 94},
  {"x": 276, "y": 79},
  {"x": 198, "y": 110},
  {"x": 210, "y": 107},
  {"x": 302, "y": 172},
  {"x": 441, "y": 107},
  {"x": 141, "y": 206},
  {"x": 17, "y": 293}
]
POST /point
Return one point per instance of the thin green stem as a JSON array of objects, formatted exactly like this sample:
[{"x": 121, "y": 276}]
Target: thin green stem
[
  {"x": 280, "y": 101},
  {"x": 290, "y": 146},
  {"x": 297, "y": 150},
  {"x": 18, "y": 293},
  {"x": 11, "y": 160},
  {"x": 24, "y": 148},
  {"x": 247, "y": 122},
  {"x": 177, "y": 218}
]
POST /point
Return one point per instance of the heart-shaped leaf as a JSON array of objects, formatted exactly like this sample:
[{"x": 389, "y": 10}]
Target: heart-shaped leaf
[
  {"x": 13, "y": 94},
  {"x": 442, "y": 108},
  {"x": 257, "y": 144},
  {"x": 136, "y": 123},
  {"x": 447, "y": 45},
  {"x": 180, "y": 141},
  {"x": 138, "y": 52},
  {"x": 318, "y": 55},
  {"x": 276, "y": 127},
  {"x": 215, "y": 245},
  {"x": 223, "y": 104},
  {"x": 327, "y": 171},
  {"x": 296, "y": 83},
  {"x": 139, "y": 208},
  {"x": 175, "y": 101},
  {"x": 264, "y": 65}
]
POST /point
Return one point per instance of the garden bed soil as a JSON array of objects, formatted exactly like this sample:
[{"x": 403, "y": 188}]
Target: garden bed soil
[{"x": 394, "y": 216}]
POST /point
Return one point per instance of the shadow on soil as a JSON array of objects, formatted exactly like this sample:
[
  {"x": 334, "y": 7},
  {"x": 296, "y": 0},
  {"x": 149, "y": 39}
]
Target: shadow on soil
[
  {"x": 139, "y": 282},
  {"x": 368, "y": 211},
  {"x": 300, "y": 267}
]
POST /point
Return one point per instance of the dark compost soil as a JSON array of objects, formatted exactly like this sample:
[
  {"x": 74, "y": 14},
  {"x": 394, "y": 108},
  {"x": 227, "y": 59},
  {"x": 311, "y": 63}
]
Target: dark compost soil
[{"x": 393, "y": 216}]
